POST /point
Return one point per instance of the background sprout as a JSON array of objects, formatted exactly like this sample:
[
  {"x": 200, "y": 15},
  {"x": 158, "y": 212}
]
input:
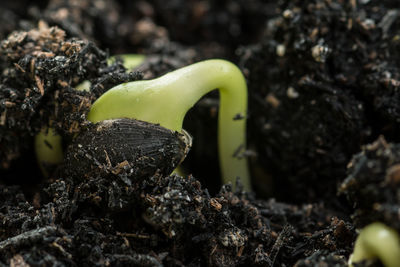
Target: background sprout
[
  {"x": 130, "y": 61},
  {"x": 48, "y": 149},
  {"x": 377, "y": 241},
  {"x": 83, "y": 86},
  {"x": 166, "y": 100}
]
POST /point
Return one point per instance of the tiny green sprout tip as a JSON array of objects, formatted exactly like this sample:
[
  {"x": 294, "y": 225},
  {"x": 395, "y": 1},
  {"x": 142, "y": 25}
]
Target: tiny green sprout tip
[
  {"x": 130, "y": 61},
  {"x": 377, "y": 241}
]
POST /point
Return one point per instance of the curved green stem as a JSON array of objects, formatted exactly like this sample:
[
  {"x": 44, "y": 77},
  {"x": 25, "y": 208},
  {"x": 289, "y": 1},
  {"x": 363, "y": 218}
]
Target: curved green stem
[
  {"x": 166, "y": 100},
  {"x": 377, "y": 241}
]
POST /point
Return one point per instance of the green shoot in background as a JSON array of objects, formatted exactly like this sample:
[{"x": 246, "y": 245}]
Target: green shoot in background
[
  {"x": 377, "y": 241},
  {"x": 130, "y": 61},
  {"x": 48, "y": 149}
]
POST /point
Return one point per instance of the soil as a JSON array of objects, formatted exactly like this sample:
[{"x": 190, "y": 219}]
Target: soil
[{"x": 323, "y": 133}]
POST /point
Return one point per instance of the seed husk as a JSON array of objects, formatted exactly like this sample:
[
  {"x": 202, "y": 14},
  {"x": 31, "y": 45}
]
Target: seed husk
[{"x": 126, "y": 146}]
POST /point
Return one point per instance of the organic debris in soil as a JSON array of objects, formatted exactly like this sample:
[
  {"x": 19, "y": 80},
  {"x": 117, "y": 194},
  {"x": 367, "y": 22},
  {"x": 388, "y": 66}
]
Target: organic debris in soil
[{"x": 163, "y": 220}]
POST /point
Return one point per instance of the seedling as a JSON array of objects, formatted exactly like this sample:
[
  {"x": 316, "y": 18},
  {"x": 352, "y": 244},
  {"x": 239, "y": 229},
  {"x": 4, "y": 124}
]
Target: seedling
[
  {"x": 167, "y": 99},
  {"x": 377, "y": 241}
]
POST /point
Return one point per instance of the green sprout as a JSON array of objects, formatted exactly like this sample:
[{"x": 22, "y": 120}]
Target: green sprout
[
  {"x": 166, "y": 100},
  {"x": 48, "y": 149},
  {"x": 130, "y": 61},
  {"x": 83, "y": 86},
  {"x": 377, "y": 241}
]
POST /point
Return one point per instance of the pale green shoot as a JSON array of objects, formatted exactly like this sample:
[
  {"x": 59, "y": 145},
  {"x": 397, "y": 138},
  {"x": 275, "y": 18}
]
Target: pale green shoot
[
  {"x": 130, "y": 61},
  {"x": 166, "y": 100},
  {"x": 377, "y": 241},
  {"x": 48, "y": 149},
  {"x": 83, "y": 86}
]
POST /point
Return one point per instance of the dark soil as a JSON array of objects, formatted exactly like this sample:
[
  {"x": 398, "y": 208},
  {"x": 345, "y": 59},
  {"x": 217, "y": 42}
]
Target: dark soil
[{"x": 323, "y": 133}]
